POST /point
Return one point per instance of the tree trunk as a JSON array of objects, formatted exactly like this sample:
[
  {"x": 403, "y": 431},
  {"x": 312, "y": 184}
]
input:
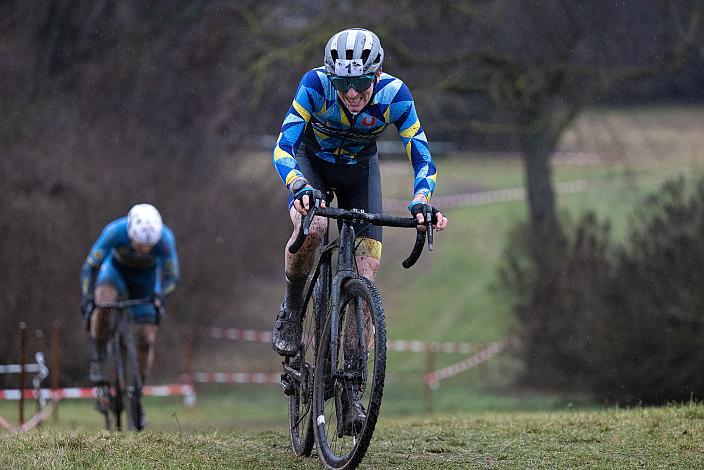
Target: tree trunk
[
  {"x": 547, "y": 238},
  {"x": 537, "y": 149}
]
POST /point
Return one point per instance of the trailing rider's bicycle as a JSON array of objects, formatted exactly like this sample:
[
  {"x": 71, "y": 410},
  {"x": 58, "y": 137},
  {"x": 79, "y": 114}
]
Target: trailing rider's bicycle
[
  {"x": 342, "y": 357},
  {"x": 125, "y": 391}
]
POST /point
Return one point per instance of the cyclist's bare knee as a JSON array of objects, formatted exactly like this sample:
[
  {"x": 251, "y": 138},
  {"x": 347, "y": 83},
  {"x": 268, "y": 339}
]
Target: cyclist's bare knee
[
  {"x": 367, "y": 266},
  {"x": 316, "y": 230},
  {"x": 105, "y": 293},
  {"x": 298, "y": 265},
  {"x": 146, "y": 336},
  {"x": 100, "y": 321}
]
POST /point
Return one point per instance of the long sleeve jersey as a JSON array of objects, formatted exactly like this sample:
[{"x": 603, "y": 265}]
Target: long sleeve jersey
[
  {"x": 321, "y": 123},
  {"x": 114, "y": 242}
]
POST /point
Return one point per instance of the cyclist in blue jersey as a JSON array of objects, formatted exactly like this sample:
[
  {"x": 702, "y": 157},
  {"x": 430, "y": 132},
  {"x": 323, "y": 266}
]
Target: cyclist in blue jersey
[
  {"x": 328, "y": 142},
  {"x": 134, "y": 257}
]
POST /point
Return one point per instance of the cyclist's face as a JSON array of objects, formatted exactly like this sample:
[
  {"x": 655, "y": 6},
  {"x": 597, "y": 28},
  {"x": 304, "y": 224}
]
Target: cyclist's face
[{"x": 355, "y": 100}]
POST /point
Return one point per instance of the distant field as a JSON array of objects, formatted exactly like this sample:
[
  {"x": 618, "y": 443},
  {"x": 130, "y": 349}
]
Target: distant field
[
  {"x": 671, "y": 438},
  {"x": 452, "y": 294}
]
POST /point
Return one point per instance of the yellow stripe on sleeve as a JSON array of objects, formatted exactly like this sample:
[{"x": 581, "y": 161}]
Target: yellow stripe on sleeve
[
  {"x": 280, "y": 153},
  {"x": 411, "y": 131},
  {"x": 292, "y": 175},
  {"x": 301, "y": 110}
]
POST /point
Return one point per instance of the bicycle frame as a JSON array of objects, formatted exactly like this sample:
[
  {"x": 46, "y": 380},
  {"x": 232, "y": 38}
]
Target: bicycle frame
[
  {"x": 124, "y": 352},
  {"x": 339, "y": 296},
  {"x": 122, "y": 338},
  {"x": 346, "y": 268}
]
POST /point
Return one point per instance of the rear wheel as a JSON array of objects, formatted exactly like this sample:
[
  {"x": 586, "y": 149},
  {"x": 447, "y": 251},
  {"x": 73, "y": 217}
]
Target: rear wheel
[{"x": 361, "y": 341}]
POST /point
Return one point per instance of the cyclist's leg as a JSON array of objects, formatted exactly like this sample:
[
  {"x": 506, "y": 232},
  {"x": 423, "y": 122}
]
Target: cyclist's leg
[
  {"x": 298, "y": 265},
  {"x": 108, "y": 286},
  {"x": 100, "y": 319},
  {"x": 143, "y": 284},
  {"x": 146, "y": 337},
  {"x": 286, "y": 335}
]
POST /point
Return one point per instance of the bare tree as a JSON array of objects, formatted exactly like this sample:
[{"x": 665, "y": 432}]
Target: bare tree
[{"x": 524, "y": 70}]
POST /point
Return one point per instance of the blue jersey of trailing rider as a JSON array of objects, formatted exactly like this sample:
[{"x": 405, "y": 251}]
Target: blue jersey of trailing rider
[
  {"x": 323, "y": 126},
  {"x": 114, "y": 245}
]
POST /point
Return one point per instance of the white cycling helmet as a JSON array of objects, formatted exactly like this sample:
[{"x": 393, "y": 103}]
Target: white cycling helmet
[
  {"x": 353, "y": 52},
  {"x": 144, "y": 224}
]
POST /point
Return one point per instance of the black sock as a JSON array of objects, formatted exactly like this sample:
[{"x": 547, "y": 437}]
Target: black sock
[{"x": 294, "y": 292}]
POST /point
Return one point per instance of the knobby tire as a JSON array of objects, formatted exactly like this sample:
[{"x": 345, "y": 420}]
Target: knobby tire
[
  {"x": 337, "y": 451},
  {"x": 133, "y": 382}
]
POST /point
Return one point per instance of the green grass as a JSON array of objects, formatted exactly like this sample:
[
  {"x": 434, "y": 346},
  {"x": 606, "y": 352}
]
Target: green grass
[{"x": 669, "y": 437}]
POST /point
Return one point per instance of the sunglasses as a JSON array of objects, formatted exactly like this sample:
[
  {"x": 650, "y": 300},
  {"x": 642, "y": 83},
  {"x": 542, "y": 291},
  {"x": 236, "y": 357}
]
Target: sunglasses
[{"x": 361, "y": 83}]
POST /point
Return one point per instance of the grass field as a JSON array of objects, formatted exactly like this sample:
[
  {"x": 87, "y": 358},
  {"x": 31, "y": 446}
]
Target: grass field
[
  {"x": 670, "y": 437},
  {"x": 477, "y": 419}
]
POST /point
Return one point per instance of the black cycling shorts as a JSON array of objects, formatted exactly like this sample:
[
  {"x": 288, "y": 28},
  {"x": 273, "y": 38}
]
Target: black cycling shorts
[{"x": 355, "y": 186}]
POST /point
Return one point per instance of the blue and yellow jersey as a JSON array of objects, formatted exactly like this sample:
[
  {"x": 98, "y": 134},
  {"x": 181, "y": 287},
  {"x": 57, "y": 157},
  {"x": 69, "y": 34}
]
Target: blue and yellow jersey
[
  {"x": 318, "y": 121},
  {"x": 114, "y": 244}
]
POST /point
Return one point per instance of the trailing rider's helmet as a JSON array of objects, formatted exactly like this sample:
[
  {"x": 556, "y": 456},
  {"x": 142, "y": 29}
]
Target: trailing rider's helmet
[
  {"x": 353, "y": 52},
  {"x": 144, "y": 224}
]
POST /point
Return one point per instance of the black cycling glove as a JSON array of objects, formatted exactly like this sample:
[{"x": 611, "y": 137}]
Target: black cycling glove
[
  {"x": 300, "y": 187},
  {"x": 420, "y": 208},
  {"x": 87, "y": 306}
]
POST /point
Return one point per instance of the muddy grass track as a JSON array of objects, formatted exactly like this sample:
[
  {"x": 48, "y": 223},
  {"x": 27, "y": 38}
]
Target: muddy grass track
[{"x": 671, "y": 437}]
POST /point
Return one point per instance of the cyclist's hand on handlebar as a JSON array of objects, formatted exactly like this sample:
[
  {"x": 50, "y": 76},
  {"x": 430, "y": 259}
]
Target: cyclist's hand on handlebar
[
  {"x": 304, "y": 196},
  {"x": 419, "y": 209},
  {"x": 158, "y": 300},
  {"x": 87, "y": 306}
]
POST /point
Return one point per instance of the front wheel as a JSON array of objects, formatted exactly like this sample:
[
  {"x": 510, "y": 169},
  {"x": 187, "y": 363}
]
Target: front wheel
[
  {"x": 133, "y": 390},
  {"x": 350, "y": 368}
]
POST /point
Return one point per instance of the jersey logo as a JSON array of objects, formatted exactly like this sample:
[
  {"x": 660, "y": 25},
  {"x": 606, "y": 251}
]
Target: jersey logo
[{"x": 367, "y": 122}]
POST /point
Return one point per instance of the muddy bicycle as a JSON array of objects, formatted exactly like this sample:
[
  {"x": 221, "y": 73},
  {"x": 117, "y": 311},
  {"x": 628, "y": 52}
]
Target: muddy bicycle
[
  {"x": 342, "y": 356},
  {"x": 125, "y": 390}
]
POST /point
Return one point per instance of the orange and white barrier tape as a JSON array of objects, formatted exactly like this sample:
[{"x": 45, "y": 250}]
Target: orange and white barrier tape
[
  {"x": 90, "y": 392},
  {"x": 35, "y": 420},
  {"x": 5, "y": 425},
  {"x": 236, "y": 334},
  {"x": 489, "y": 197},
  {"x": 433, "y": 378},
  {"x": 400, "y": 345},
  {"x": 234, "y": 377}
]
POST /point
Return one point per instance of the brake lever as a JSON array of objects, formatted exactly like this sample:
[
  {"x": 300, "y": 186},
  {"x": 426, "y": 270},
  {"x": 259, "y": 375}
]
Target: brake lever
[
  {"x": 308, "y": 218},
  {"x": 305, "y": 226},
  {"x": 429, "y": 222}
]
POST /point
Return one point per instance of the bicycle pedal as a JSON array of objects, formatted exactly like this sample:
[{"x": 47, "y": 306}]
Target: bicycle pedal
[{"x": 286, "y": 386}]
